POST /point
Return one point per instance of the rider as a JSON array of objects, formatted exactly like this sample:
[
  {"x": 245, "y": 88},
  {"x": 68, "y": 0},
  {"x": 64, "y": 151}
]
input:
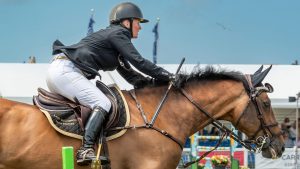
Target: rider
[{"x": 107, "y": 49}]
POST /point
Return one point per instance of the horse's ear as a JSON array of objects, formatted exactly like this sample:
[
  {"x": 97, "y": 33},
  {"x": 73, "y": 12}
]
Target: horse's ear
[
  {"x": 257, "y": 78},
  {"x": 259, "y": 70}
]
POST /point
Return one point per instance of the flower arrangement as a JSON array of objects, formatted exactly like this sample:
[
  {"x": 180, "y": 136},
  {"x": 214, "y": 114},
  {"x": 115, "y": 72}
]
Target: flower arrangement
[
  {"x": 200, "y": 166},
  {"x": 220, "y": 160}
]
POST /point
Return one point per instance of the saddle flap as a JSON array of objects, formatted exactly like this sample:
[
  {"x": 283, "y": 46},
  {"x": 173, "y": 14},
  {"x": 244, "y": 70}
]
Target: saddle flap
[
  {"x": 106, "y": 90},
  {"x": 114, "y": 114}
]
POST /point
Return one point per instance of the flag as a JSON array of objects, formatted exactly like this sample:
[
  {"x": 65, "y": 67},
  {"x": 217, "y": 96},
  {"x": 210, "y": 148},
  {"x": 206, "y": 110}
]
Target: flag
[
  {"x": 155, "y": 31},
  {"x": 91, "y": 23}
]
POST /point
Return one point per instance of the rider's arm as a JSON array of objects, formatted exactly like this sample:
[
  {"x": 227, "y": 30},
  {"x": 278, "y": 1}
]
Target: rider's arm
[
  {"x": 121, "y": 41},
  {"x": 131, "y": 76}
]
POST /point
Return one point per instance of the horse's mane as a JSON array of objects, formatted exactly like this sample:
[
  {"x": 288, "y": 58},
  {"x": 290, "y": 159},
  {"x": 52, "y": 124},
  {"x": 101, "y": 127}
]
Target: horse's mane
[
  {"x": 209, "y": 73},
  {"x": 203, "y": 74}
]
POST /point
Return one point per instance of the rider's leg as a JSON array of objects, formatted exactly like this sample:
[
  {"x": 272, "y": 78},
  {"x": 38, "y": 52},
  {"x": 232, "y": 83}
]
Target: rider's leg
[
  {"x": 86, "y": 152},
  {"x": 65, "y": 79}
]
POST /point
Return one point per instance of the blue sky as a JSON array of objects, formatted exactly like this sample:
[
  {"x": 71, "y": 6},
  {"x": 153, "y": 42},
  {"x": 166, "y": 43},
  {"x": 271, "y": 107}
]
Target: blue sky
[{"x": 203, "y": 31}]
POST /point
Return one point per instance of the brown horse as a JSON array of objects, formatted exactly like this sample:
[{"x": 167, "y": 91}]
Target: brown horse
[{"x": 27, "y": 141}]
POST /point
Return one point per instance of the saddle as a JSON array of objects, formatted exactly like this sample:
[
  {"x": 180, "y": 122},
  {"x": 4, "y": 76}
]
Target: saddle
[{"x": 69, "y": 118}]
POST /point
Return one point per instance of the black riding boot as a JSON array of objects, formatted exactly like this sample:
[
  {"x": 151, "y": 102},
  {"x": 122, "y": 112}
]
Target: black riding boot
[{"x": 85, "y": 153}]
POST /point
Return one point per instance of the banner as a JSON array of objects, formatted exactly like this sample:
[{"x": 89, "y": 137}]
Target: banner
[
  {"x": 91, "y": 23},
  {"x": 287, "y": 160},
  {"x": 155, "y": 31}
]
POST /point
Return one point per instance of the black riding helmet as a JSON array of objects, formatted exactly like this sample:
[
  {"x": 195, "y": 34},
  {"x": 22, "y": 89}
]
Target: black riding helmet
[{"x": 126, "y": 10}]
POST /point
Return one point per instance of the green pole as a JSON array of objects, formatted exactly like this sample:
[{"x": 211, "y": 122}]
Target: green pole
[
  {"x": 195, "y": 165},
  {"x": 68, "y": 158}
]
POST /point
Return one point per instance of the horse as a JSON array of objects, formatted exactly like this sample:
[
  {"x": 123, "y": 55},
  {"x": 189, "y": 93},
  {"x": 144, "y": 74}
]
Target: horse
[{"x": 28, "y": 141}]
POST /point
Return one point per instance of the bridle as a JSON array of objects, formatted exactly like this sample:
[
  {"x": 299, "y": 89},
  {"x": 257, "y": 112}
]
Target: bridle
[
  {"x": 265, "y": 140},
  {"x": 260, "y": 142}
]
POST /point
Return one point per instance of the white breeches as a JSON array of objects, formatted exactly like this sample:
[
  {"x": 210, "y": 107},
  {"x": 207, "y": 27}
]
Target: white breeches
[{"x": 67, "y": 80}]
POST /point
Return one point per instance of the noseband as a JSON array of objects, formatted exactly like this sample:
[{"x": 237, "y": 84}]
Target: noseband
[{"x": 261, "y": 141}]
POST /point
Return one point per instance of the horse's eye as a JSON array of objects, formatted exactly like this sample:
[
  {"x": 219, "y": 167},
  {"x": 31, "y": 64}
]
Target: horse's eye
[{"x": 267, "y": 104}]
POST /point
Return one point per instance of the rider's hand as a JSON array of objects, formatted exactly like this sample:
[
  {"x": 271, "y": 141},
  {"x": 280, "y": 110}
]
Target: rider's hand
[
  {"x": 154, "y": 81},
  {"x": 174, "y": 80},
  {"x": 172, "y": 77}
]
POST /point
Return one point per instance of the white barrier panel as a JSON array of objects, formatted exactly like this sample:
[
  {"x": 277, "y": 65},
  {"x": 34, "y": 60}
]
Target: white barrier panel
[{"x": 287, "y": 160}]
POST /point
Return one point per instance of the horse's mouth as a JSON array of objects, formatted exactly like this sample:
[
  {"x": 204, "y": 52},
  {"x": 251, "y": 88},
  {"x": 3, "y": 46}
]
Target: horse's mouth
[{"x": 270, "y": 152}]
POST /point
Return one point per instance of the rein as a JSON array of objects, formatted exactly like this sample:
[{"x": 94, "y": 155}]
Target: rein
[
  {"x": 219, "y": 125},
  {"x": 216, "y": 123},
  {"x": 261, "y": 141},
  {"x": 150, "y": 125}
]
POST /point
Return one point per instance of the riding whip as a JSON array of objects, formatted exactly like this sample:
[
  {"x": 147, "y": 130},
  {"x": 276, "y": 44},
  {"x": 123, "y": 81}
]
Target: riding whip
[{"x": 166, "y": 95}]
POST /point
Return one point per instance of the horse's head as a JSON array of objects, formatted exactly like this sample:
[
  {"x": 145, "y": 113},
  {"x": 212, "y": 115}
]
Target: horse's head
[{"x": 262, "y": 128}]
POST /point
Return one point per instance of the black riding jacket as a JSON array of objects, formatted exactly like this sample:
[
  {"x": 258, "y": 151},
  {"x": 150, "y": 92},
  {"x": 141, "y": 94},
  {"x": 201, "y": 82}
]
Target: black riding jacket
[{"x": 110, "y": 49}]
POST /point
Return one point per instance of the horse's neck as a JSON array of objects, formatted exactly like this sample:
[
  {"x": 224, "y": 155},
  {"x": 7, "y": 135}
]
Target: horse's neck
[
  {"x": 172, "y": 113},
  {"x": 180, "y": 117},
  {"x": 223, "y": 100}
]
